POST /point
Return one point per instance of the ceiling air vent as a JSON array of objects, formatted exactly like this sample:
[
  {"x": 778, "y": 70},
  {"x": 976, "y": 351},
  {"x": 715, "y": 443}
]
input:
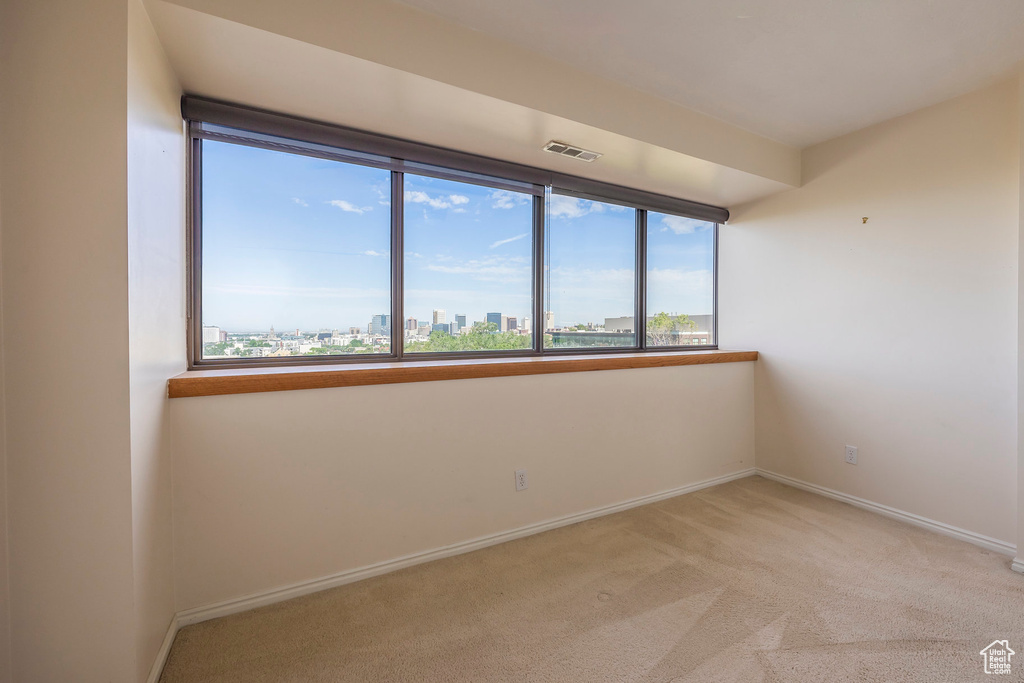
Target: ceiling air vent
[{"x": 567, "y": 150}]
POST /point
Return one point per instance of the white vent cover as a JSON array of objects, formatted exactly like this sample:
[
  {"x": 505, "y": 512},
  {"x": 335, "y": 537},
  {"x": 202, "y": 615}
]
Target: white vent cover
[{"x": 567, "y": 150}]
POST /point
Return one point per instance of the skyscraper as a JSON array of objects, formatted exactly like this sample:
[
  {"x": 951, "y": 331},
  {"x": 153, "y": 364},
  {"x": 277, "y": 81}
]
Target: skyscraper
[
  {"x": 440, "y": 316},
  {"x": 460, "y": 320},
  {"x": 513, "y": 323},
  {"x": 410, "y": 323},
  {"x": 211, "y": 334},
  {"x": 380, "y": 324},
  {"x": 496, "y": 319},
  {"x": 549, "y": 321}
]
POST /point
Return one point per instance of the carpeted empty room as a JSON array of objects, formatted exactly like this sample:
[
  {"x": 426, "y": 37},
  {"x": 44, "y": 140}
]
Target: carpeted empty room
[
  {"x": 479, "y": 341},
  {"x": 746, "y": 581}
]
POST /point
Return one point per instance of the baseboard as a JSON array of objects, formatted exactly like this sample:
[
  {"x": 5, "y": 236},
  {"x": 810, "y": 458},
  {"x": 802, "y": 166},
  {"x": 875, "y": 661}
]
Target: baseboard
[
  {"x": 247, "y": 602},
  {"x": 1017, "y": 565},
  {"x": 917, "y": 520},
  {"x": 165, "y": 649}
]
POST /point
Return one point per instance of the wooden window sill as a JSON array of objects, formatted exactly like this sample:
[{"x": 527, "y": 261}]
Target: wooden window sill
[{"x": 278, "y": 378}]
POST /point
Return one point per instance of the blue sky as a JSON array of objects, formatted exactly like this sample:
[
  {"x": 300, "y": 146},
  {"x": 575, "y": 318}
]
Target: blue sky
[{"x": 300, "y": 242}]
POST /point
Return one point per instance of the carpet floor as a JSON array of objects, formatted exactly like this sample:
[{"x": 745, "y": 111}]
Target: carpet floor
[{"x": 747, "y": 581}]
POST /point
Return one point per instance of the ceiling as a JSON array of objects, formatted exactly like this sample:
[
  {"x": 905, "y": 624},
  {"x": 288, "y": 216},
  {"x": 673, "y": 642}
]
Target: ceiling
[
  {"x": 283, "y": 60},
  {"x": 795, "y": 71}
]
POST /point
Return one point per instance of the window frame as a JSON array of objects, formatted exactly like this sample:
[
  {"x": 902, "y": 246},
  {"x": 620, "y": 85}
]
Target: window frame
[{"x": 211, "y": 120}]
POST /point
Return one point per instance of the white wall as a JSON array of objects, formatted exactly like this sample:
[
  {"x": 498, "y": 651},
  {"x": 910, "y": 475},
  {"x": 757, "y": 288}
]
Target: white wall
[
  {"x": 156, "y": 271},
  {"x": 897, "y": 336},
  {"x": 65, "y": 338},
  {"x": 1019, "y": 562},
  {"x": 271, "y": 489}
]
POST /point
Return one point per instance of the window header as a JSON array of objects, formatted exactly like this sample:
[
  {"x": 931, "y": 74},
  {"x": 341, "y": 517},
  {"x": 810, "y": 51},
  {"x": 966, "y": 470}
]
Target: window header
[{"x": 208, "y": 118}]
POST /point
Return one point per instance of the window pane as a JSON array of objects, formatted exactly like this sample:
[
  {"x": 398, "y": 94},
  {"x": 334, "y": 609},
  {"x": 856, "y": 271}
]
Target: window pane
[
  {"x": 590, "y": 283},
  {"x": 680, "y": 281},
  {"x": 468, "y": 264},
  {"x": 295, "y": 255}
]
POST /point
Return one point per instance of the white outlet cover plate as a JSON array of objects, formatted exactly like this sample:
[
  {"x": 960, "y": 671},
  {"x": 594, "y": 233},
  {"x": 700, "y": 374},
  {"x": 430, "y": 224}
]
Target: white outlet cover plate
[
  {"x": 851, "y": 455},
  {"x": 522, "y": 483}
]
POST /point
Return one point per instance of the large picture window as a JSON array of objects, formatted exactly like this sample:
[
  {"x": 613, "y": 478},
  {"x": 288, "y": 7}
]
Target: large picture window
[
  {"x": 295, "y": 255},
  {"x": 314, "y": 244},
  {"x": 468, "y": 266}
]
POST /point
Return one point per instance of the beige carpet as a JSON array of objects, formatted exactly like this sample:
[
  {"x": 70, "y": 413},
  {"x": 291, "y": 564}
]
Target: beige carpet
[{"x": 748, "y": 581}]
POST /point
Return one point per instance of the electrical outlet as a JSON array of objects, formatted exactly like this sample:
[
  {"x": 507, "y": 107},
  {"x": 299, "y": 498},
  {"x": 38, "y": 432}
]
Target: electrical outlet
[
  {"x": 851, "y": 455},
  {"x": 521, "y": 483}
]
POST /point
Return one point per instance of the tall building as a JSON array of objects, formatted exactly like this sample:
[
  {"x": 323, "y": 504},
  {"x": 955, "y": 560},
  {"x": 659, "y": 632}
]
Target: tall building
[
  {"x": 494, "y": 318},
  {"x": 460, "y": 321},
  {"x": 549, "y": 321},
  {"x": 512, "y": 323},
  {"x": 526, "y": 324},
  {"x": 440, "y": 316},
  {"x": 354, "y": 330},
  {"x": 212, "y": 334},
  {"x": 410, "y": 323},
  {"x": 380, "y": 324}
]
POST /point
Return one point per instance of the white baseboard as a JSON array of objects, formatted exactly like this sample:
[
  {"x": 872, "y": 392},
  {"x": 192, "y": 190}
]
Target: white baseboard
[
  {"x": 917, "y": 520},
  {"x": 269, "y": 597},
  {"x": 1018, "y": 565},
  {"x": 165, "y": 649}
]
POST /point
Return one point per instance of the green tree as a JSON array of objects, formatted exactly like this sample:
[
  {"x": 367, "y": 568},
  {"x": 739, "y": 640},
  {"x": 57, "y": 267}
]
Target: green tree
[
  {"x": 662, "y": 329},
  {"x": 356, "y": 342},
  {"x": 256, "y": 344},
  {"x": 480, "y": 337},
  {"x": 216, "y": 348}
]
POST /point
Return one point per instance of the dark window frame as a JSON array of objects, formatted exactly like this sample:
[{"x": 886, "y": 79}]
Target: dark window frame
[{"x": 212, "y": 120}]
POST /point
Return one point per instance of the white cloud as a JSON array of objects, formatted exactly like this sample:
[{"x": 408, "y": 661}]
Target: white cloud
[
  {"x": 413, "y": 254},
  {"x": 682, "y": 226},
  {"x": 510, "y": 239},
  {"x": 677, "y": 280},
  {"x": 300, "y": 202},
  {"x": 562, "y": 206},
  {"x": 307, "y": 292},
  {"x": 371, "y": 252},
  {"x": 349, "y": 207},
  {"x": 503, "y": 199},
  {"x": 599, "y": 279},
  {"x": 675, "y": 289},
  {"x": 494, "y": 269},
  {"x": 440, "y": 202}
]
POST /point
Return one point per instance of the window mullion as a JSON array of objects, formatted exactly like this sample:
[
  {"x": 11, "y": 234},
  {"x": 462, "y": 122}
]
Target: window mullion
[
  {"x": 539, "y": 264},
  {"x": 640, "y": 318},
  {"x": 397, "y": 265}
]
